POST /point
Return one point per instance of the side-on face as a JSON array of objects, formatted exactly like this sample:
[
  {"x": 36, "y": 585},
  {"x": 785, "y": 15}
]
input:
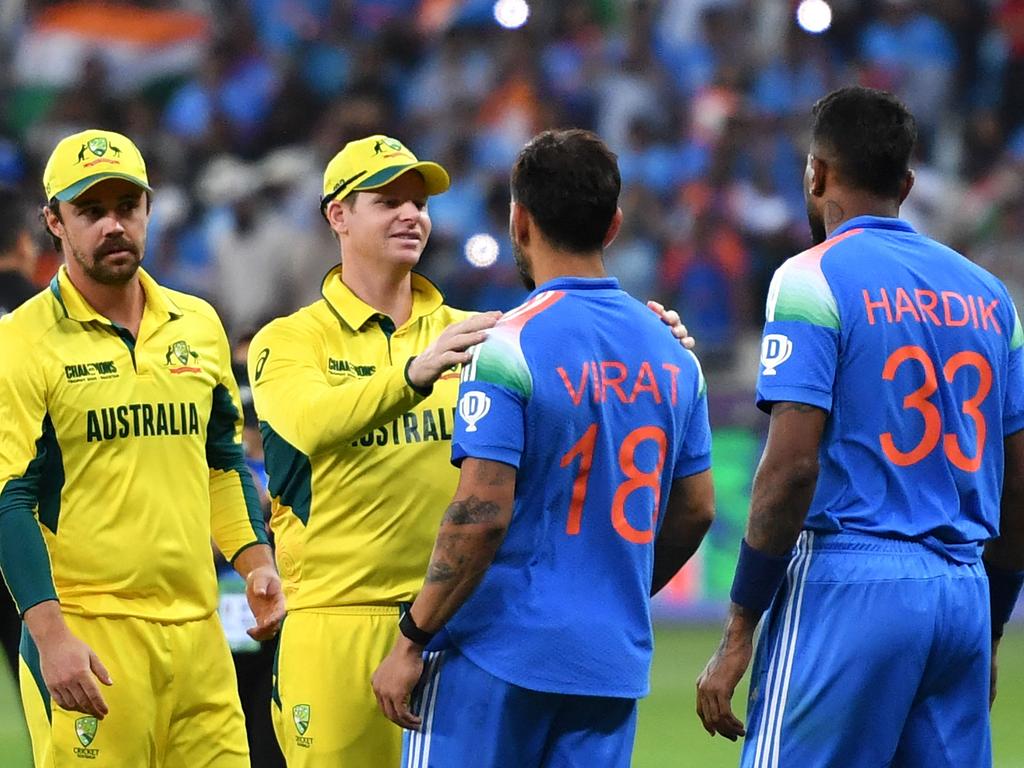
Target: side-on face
[
  {"x": 103, "y": 231},
  {"x": 389, "y": 224},
  {"x": 813, "y": 198},
  {"x": 515, "y": 226}
]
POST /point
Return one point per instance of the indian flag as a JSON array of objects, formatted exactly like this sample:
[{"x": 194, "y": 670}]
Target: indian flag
[{"x": 137, "y": 45}]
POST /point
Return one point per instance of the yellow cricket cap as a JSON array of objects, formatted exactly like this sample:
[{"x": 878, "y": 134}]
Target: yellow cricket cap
[
  {"x": 373, "y": 162},
  {"x": 85, "y": 158}
]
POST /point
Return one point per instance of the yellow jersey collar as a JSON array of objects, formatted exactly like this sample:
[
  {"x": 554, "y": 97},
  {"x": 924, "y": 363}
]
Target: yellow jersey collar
[
  {"x": 77, "y": 308},
  {"x": 426, "y": 298}
]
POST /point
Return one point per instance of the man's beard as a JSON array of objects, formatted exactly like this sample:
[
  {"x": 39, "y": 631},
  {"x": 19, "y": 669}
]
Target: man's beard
[
  {"x": 523, "y": 266},
  {"x": 101, "y": 270},
  {"x": 817, "y": 223}
]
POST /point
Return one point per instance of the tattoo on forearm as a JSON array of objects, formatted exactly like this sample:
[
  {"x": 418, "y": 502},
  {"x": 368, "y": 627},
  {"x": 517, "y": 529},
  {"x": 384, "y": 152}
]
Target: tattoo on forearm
[
  {"x": 438, "y": 572},
  {"x": 471, "y": 510}
]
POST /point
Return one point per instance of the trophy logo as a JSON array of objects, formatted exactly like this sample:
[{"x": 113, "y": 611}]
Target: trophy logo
[
  {"x": 473, "y": 406},
  {"x": 775, "y": 350}
]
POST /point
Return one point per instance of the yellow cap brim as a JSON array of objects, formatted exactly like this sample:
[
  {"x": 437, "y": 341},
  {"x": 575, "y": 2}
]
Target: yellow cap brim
[{"x": 76, "y": 189}]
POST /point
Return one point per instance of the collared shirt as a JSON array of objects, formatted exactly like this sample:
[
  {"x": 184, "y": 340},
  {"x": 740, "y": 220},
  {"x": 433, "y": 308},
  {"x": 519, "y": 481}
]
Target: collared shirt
[
  {"x": 120, "y": 457},
  {"x": 357, "y": 459},
  {"x": 917, "y": 355}
]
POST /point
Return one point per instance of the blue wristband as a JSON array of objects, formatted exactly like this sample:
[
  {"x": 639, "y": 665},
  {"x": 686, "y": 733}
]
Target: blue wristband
[
  {"x": 757, "y": 579},
  {"x": 1003, "y": 589}
]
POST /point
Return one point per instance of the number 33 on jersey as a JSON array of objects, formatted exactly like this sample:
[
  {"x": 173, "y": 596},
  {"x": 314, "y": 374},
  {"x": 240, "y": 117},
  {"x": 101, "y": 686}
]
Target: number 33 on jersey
[{"x": 916, "y": 354}]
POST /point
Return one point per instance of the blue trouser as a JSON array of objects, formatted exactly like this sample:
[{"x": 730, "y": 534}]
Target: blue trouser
[
  {"x": 876, "y": 652},
  {"x": 471, "y": 718}
]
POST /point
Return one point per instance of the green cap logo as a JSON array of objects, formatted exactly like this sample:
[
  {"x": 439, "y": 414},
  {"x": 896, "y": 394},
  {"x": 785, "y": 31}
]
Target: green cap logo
[
  {"x": 98, "y": 146},
  {"x": 85, "y": 729},
  {"x": 300, "y": 714}
]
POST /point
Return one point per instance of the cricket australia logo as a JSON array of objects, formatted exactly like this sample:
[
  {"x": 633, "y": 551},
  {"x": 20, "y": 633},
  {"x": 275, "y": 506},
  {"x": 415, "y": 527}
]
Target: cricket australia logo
[
  {"x": 180, "y": 351},
  {"x": 85, "y": 730},
  {"x": 775, "y": 350},
  {"x": 98, "y": 147},
  {"x": 473, "y": 406},
  {"x": 300, "y": 714}
]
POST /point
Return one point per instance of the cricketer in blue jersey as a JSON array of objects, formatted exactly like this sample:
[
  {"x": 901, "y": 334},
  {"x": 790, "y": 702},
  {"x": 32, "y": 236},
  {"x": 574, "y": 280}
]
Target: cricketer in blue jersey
[
  {"x": 893, "y": 369},
  {"x": 583, "y": 440}
]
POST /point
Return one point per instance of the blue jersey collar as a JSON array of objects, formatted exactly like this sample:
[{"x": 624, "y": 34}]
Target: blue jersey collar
[
  {"x": 578, "y": 284},
  {"x": 873, "y": 222}
]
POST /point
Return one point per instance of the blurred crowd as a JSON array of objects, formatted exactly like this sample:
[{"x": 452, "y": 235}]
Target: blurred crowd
[{"x": 238, "y": 105}]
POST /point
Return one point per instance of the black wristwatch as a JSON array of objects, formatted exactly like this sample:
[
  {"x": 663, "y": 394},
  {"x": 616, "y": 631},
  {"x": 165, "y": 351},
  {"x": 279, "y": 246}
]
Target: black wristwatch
[{"x": 407, "y": 626}]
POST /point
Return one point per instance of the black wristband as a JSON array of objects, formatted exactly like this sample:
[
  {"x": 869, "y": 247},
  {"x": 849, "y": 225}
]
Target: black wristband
[
  {"x": 1003, "y": 588},
  {"x": 425, "y": 391},
  {"x": 407, "y": 626}
]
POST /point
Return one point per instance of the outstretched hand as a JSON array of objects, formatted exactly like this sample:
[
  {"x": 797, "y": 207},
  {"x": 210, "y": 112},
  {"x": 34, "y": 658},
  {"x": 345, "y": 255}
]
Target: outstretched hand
[{"x": 449, "y": 349}]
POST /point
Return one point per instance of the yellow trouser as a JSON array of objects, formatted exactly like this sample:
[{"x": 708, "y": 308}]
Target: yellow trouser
[
  {"x": 173, "y": 704},
  {"x": 324, "y": 710}
]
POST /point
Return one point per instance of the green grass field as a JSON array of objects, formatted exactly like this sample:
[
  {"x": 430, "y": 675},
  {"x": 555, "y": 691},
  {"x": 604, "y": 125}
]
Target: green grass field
[{"x": 669, "y": 734}]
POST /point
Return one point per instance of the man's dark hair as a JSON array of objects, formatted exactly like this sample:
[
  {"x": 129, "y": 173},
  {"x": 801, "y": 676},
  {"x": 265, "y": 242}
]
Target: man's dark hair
[
  {"x": 569, "y": 182},
  {"x": 54, "y": 205},
  {"x": 870, "y": 134},
  {"x": 15, "y": 212}
]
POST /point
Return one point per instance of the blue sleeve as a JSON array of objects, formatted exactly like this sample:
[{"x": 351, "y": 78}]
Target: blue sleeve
[
  {"x": 489, "y": 423},
  {"x": 695, "y": 451},
  {"x": 800, "y": 345}
]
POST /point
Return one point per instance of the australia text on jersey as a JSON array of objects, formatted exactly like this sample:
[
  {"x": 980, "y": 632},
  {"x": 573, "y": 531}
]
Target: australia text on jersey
[
  {"x": 141, "y": 420},
  {"x": 943, "y": 308}
]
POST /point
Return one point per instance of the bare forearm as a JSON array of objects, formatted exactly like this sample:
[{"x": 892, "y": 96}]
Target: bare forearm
[
  {"x": 44, "y": 621},
  {"x": 670, "y": 558},
  {"x": 780, "y": 499},
  {"x": 469, "y": 537},
  {"x": 256, "y": 556}
]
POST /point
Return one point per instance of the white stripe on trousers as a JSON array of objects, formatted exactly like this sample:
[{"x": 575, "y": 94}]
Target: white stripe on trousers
[
  {"x": 780, "y": 666},
  {"x": 419, "y": 741}
]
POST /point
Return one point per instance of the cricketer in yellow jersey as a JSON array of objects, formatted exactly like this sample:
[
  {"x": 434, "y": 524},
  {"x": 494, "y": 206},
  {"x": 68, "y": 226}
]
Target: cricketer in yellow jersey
[
  {"x": 120, "y": 458},
  {"x": 356, "y": 395}
]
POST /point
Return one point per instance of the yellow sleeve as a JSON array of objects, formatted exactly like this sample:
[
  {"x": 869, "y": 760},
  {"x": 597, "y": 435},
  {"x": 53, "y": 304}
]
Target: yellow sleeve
[
  {"x": 294, "y": 398},
  {"x": 236, "y": 517},
  {"x": 31, "y": 473}
]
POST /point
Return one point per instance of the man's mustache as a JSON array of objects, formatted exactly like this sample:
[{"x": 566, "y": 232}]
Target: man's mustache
[{"x": 113, "y": 246}]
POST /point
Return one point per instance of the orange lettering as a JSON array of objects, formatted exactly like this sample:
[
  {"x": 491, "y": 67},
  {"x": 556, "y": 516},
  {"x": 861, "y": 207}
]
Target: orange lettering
[
  {"x": 674, "y": 390},
  {"x": 651, "y": 385},
  {"x": 928, "y": 308},
  {"x": 988, "y": 313},
  {"x": 608, "y": 382},
  {"x": 870, "y": 306},
  {"x": 576, "y": 395},
  {"x": 947, "y": 312},
  {"x": 905, "y": 305}
]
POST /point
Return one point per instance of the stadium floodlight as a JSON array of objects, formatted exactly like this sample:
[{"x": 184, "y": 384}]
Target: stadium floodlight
[
  {"x": 814, "y": 16},
  {"x": 511, "y": 14},
  {"x": 481, "y": 250}
]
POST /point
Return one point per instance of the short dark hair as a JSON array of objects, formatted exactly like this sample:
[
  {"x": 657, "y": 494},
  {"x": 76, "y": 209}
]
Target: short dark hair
[
  {"x": 54, "y": 205},
  {"x": 12, "y": 203},
  {"x": 569, "y": 182},
  {"x": 871, "y": 136}
]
